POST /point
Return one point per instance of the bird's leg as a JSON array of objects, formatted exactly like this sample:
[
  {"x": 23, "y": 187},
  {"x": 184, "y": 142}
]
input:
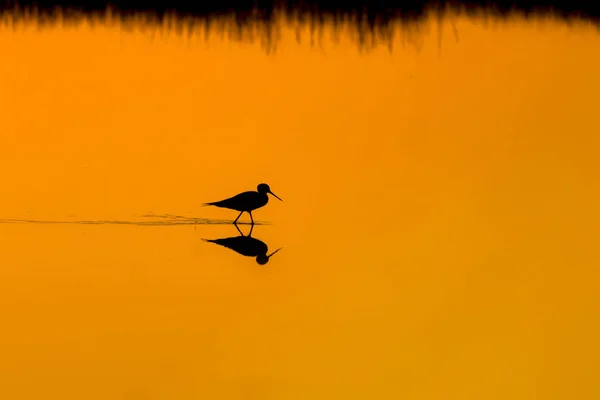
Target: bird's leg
[
  {"x": 238, "y": 217},
  {"x": 251, "y": 219},
  {"x": 238, "y": 229},
  {"x": 250, "y": 233}
]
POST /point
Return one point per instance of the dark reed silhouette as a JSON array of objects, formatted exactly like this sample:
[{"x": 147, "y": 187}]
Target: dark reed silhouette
[
  {"x": 246, "y": 246},
  {"x": 365, "y": 15},
  {"x": 246, "y": 201},
  {"x": 375, "y": 11}
]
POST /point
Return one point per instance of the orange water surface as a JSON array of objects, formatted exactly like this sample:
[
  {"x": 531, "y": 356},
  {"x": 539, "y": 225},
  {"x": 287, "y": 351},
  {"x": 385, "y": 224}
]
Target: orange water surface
[{"x": 439, "y": 220}]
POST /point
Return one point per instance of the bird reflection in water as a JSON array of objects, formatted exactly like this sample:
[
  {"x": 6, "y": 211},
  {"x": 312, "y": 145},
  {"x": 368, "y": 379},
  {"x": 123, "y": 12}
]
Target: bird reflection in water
[{"x": 246, "y": 246}]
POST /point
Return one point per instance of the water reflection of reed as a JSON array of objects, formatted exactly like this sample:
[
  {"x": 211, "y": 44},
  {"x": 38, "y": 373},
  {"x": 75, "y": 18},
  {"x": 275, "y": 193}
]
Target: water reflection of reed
[{"x": 369, "y": 21}]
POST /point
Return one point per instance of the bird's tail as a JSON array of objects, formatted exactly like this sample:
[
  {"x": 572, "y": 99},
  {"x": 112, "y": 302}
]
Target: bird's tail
[{"x": 207, "y": 204}]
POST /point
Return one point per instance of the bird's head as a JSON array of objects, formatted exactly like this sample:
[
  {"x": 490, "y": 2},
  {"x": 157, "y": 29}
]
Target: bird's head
[
  {"x": 262, "y": 259},
  {"x": 264, "y": 188}
]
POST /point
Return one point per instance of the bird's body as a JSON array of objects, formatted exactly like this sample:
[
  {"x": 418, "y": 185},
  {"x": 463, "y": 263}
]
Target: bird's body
[
  {"x": 244, "y": 245},
  {"x": 246, "y": 201}
]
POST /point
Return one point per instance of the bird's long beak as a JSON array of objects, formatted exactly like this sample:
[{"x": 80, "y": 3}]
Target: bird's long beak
[
  {"x": 275, "y": 195},
  {"x": 275, "y": 252}
]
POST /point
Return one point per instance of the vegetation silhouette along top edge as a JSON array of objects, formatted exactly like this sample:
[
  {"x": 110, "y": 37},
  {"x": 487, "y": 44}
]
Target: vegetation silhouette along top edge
[
  {"x": 372, "y": 23},
  {"x": 376, "y": 12}
]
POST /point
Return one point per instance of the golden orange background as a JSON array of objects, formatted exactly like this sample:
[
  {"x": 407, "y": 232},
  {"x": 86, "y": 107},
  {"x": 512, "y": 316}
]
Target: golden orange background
[{"x": 439, "y": 221}]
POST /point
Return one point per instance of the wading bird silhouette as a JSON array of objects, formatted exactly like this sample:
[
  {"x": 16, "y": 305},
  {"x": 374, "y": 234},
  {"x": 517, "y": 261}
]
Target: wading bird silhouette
[
  {"x": 246, "y": 246},
  {"x": 246, "y": 201}
]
